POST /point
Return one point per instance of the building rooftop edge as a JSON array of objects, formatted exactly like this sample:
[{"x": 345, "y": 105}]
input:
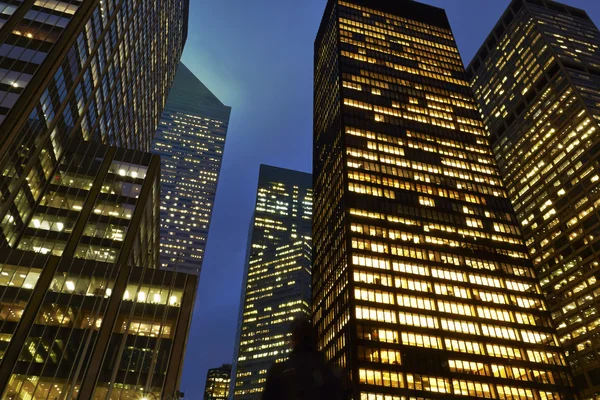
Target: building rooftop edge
[{"x": 499, "y": 30}]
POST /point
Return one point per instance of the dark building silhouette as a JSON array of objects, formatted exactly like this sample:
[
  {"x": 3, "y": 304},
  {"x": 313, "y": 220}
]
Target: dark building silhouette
[
  {"x": 422, "y": 286},
  {"x": 277, "y": 277},
  {"x": 190, "y": 140},
  {"x": 217, "y": 383},
  {"x": 85, "y": 310},
  {"x": 537, "y": 81}
]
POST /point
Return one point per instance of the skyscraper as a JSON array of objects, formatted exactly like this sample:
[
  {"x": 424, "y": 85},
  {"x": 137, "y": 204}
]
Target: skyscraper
[
  {"x": 537, "y": 81},
  {"x": 422, "y": 287},
  {"x": 277, "y": 282},
  {"x": 85, "y": 311},
  {"x": 190, "y": 140},
  {"x": 217, "y": 383}
]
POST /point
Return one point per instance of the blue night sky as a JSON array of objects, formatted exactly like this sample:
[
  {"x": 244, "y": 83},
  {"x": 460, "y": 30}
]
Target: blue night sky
[{"x": 257, "y": 57}]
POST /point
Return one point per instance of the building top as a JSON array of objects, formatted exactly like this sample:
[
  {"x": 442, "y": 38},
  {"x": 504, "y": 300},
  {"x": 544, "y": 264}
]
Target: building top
[
  {"x": 224, "y": 367},
  {"x": 506, "y": 20},
  {"x": 189, "y": 94},
  {"x": 402, "y": 8},
  {"x": 268, "y": 172}
]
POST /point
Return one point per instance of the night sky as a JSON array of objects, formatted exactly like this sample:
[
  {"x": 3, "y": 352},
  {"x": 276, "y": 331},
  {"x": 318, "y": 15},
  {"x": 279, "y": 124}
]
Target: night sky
[{"x": 257, "y": 57}]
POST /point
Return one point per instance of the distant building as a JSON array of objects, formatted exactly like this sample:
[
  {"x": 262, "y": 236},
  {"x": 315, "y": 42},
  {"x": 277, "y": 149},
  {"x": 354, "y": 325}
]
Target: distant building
[
  {"x": 422, "y": 285},
  {"x": 217, "y": 383},
  {"x": 190, "y": 140},
  {"x": 277, "y": 279},
  {"x": 537, "y": 81}
]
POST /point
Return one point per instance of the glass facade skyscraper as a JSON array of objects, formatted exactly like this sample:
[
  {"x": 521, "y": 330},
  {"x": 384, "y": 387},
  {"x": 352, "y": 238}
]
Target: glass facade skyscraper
[
  {"x": 537, "y": 81},
  {"x": 422, "y": 286},
  {"x": 277, "y": 277},
  {"x": 85, "y": 311},
  {"x": 190, "y": 140}
]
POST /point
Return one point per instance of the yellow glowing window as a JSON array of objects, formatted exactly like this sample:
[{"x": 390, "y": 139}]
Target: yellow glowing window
[
  {"x": 375, "y": 314},
  {"x": 466, "y": 327},
  {"x": 426, "y": 201},
  {"x": 418, "y": 340},
  {"x": 418, "y": 320}
]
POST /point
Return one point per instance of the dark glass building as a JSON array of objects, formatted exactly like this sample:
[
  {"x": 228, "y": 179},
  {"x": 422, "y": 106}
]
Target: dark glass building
[
  {"x": 85, "y": 311},
  {"x": 190, "y": 140},
  {"x": 217, "y": 383},
  {"x": 537, "y": 81},
  {"x": 422, "y": 286},
  {"x": 277, "y": 282}
]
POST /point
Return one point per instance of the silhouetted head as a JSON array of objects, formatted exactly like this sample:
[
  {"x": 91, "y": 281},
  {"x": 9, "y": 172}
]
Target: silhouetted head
[{"x": 303, "y": 333}]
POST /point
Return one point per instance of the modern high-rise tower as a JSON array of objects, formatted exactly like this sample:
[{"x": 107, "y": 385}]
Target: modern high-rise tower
[
  {"x": 277, "y": 277},
  {"x": 190, "y": 140},
  {"x": 537, "y": 81},
  {"x": 422, "y": 286},
  {"x": 85, "y": 310}
]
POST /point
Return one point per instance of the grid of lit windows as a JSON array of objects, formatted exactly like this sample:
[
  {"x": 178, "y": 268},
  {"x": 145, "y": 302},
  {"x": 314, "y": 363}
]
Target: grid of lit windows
[
  {"x": 538, "y": 88},
  {"x": 190, "y": 140},
  {"x": 422, "y": 283},
  {"x": 277, "y": 279},
  {"x": 217, "y": 383}
]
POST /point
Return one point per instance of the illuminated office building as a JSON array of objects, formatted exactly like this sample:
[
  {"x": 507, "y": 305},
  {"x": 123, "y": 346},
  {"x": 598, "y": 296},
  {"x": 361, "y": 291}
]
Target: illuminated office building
[
  {"x": 422, "y": 287},
  {"x": 277, "y": 280},
  {"x": 537, "y": 81},
  {"x": 190, "y": 140},
  {"x": 217, "y": 383},
  {"x": 84, "y": 309}
]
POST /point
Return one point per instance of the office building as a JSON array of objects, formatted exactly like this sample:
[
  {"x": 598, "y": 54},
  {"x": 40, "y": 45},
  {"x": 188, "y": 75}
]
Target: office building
[
  {"x": 86, "y": 311},
  {"x": 537, "y": 81},
  {"x": 422, "y": 286},
  {"x": 277, "y": 278},
  {"x": 217, "y": 383},
  {"x": 190, "y": 140}
]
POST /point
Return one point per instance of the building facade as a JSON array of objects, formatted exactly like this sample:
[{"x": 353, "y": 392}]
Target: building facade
[
  {"x": 537, "y": 81},
  {"x": 99, "y": 80},
  {"x": 85, "y": 309},
  {"x": 422, "y": 286},
  {"x": 217, "y": 383},
  {"x": 190, "y": 140},
  {"x": 277, "y": 277}
]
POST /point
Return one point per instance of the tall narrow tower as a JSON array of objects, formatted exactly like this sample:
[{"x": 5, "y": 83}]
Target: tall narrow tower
[
  {"x": 537, "y": 81},
  {"x": 422, "y": 286},
  {"x": 277, "y": 280},
  {"x": 190, "y": 141}
]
